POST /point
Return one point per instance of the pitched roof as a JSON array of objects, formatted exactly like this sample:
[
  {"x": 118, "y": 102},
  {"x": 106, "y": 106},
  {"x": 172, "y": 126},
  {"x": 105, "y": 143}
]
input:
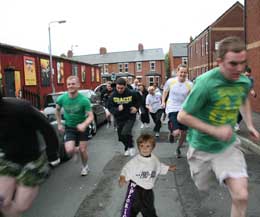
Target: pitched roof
[
  {"x": 179, "y": 49},
  {"x": 122, "y": 57}
]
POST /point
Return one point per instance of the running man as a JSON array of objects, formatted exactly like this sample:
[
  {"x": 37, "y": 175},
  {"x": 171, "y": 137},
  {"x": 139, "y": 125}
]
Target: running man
[
  {"x": 123, "y": 104},
  {"x": 177, "y": 89},
  {"x": 23, "y": 162},
  {"x": 78, "y": 116},
  {"x": 211, "y": 111}
]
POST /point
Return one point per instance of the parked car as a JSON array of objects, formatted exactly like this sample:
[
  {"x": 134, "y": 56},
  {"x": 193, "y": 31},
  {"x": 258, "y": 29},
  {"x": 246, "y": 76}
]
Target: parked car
[{"x": 97, "y": 108}]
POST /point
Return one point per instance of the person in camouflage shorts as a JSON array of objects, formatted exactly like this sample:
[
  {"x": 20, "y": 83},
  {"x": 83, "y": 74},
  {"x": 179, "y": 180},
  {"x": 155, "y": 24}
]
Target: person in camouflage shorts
[{"x": 23, "y": 160}]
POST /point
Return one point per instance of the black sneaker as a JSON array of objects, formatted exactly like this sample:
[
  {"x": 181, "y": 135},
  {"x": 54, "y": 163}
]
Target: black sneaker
[
  {"x": 171, "y": 138},
  {"x": 178, "y": 153}
]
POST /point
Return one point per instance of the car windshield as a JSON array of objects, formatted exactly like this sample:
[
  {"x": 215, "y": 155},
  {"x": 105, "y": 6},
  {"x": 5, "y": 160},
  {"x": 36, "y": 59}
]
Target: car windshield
[{"x": 86, "y": 93}]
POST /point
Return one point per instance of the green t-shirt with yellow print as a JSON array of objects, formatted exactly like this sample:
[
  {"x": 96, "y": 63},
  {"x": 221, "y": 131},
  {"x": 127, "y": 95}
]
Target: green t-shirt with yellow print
[{"x": 216, "y": 101}]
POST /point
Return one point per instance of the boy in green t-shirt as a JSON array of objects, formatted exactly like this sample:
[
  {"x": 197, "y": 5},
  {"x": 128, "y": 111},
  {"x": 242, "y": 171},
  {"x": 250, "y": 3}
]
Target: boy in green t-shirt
[
  {"x": 211, "y": 112},
  {"x": 78, "y": 115}
]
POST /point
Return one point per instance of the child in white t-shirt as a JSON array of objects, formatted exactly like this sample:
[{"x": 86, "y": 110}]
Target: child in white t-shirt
[{"x": 141, "y": 172}]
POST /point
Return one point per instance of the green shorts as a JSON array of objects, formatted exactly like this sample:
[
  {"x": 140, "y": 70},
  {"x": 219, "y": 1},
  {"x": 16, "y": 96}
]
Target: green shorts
[{"x": 31, "y": 174}]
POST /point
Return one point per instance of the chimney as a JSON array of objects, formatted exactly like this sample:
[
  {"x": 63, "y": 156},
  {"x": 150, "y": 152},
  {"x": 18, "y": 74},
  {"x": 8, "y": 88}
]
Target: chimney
[
  {"x": 140, "y": 47},
  {"x": 102, "y": 51},
  {"x": 70, "y": 54},
  {"x": 191, "y": 39}
]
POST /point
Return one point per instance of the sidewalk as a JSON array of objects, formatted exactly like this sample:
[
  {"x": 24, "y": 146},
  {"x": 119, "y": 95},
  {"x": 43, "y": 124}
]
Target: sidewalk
[{"x": 245, "y": 137}]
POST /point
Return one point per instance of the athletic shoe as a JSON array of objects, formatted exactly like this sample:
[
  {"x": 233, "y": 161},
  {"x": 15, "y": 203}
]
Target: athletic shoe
[
  {"x": 157, "y": 134},
  {"x": 146, "y": 125},
  {"x": 132, "y": 151},
  {"x": 237, "y": 128},
  {"x": 178, "y": 153},
  {"x": 55, "y": 162},
  {"x": 84, "y": 170},
  {"x": 142, "y": 126},
  {"x": 171, "y": 138},
  {"x": 127, "y": 152}
]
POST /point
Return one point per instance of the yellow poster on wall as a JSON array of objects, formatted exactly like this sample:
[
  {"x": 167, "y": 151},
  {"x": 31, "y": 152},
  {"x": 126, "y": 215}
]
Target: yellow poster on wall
[
  {"x": 17, "y": 79},
  {"x": 83, "y": 73},
  {"x": 29, "y": 71},
  {"x": 60, "y": 73},
  {"x": 97, "y": 75},
  {"x": 45, "y": 72}
]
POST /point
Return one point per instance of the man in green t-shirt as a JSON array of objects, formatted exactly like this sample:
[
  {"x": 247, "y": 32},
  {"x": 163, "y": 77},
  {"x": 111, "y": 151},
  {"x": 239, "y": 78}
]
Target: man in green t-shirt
[
  {"x": 78, "y": 115},
  {"x": 211, "y": 112}
]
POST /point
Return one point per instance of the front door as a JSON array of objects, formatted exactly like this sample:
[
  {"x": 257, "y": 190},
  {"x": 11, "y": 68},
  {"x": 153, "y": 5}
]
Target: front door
[{"x": 9, "y": 83}]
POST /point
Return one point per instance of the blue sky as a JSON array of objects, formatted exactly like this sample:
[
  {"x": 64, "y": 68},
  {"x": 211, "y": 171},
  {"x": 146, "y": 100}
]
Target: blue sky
[{"x": 118, "y": 25}]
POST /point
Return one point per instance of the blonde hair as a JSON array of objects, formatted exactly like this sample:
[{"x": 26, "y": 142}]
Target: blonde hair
[{"x": 71, "y": 77}]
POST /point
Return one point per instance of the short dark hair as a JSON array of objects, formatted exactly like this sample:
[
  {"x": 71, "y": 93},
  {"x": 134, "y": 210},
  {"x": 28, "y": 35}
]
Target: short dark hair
[
  {"x": 232, "y": 43},
  {"x": 248, "y": 69},
  {"x": 146, "y": 138},
  {"x": 121, "y": 81}
]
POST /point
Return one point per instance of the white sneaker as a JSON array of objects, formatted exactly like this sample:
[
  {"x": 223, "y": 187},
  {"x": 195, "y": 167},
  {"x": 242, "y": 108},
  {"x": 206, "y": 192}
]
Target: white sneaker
[
  {"x": 146, "y": 125},
  {"x": 55, "y": 162},
  {"x": 132, "y": 151},
  {"x": 127, "y": 152},
  {"x": 157, "y": 134},
  {"x": 84, "y": 171},
  {"x": 237, "y": 128},
  {"x": 142, "y": 126}
]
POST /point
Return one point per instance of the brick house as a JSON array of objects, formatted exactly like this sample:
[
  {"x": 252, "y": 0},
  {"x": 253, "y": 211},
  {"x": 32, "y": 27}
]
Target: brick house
[
  {"x": 177, "y": 55},
  {"x": 252, "y": 38},
  {"x": 145, "y": 64},
  {"x": 202, "y": 49}
]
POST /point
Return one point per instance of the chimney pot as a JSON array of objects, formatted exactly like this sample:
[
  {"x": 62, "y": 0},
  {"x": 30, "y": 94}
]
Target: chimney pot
[
  {"x": 102, "y": 51},
  {"x": 70, "y": 54},
  {"x": 140, "y": 47}
]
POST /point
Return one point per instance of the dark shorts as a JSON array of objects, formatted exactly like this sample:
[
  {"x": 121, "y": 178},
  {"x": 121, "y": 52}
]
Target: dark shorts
[
  {"x": 176, "y": 125},
  {"x": 31, "y": 174},
  {"x": 72, "y": 134}
]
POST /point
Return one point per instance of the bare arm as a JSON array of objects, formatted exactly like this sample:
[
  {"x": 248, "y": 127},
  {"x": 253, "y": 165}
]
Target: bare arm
[
  {"x": 82, "y": 126},
  {"x": 164, "y": 96},
  {"x": 223, "y": 133},
  {"x": 121, "y": 181},
  {"x": 58, "y": 117}
]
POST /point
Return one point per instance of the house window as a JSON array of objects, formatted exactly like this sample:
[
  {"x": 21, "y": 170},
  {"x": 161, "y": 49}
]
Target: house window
[
  {"x": 101, "y": 67},
  {"x": 120, "y": 67},
  {"x": 184, "y": 60},
  {"x": 106, "y": 68},
  {"x": 139, "y": 66},
  {"x": 206, "y": 43},
  {"x": 216, "y": 45},
  {"x": 75, "y": 69},
  {"x": 202, "y": 47},
  {"x": 151, "y": 80},
  {"x": 152, "y": 66},
  {"x": 126, "y": 67}
]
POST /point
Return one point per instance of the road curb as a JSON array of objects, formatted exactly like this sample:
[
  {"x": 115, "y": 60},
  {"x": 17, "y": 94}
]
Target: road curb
[{"x": 246, "y": 143}]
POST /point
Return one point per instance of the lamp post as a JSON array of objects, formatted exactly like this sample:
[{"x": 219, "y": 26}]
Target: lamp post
[{"x": 50, "y": 63}]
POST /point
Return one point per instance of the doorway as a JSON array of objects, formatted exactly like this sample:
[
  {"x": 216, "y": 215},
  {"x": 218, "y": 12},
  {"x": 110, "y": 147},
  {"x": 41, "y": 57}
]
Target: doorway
[{"x": 9, "y": 83}]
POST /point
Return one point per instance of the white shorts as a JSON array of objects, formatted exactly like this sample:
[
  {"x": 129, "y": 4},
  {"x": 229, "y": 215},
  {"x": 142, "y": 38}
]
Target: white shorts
[{"x": 228, "y": 164}]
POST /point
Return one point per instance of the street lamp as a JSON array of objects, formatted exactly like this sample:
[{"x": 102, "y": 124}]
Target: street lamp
[{"x": 50, "y": 64}]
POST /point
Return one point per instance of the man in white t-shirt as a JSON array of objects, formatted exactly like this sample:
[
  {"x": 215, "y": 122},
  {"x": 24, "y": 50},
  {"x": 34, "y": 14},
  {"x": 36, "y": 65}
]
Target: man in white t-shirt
[{"x": 178, "y": 89}]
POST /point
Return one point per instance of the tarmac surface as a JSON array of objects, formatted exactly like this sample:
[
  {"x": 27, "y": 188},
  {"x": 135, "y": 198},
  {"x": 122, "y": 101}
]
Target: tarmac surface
[{"x": 66, "y": 194}]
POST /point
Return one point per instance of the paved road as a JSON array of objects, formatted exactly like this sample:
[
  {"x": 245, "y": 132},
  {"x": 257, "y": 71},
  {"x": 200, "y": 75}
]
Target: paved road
[{"x": 66, "y": 194}]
